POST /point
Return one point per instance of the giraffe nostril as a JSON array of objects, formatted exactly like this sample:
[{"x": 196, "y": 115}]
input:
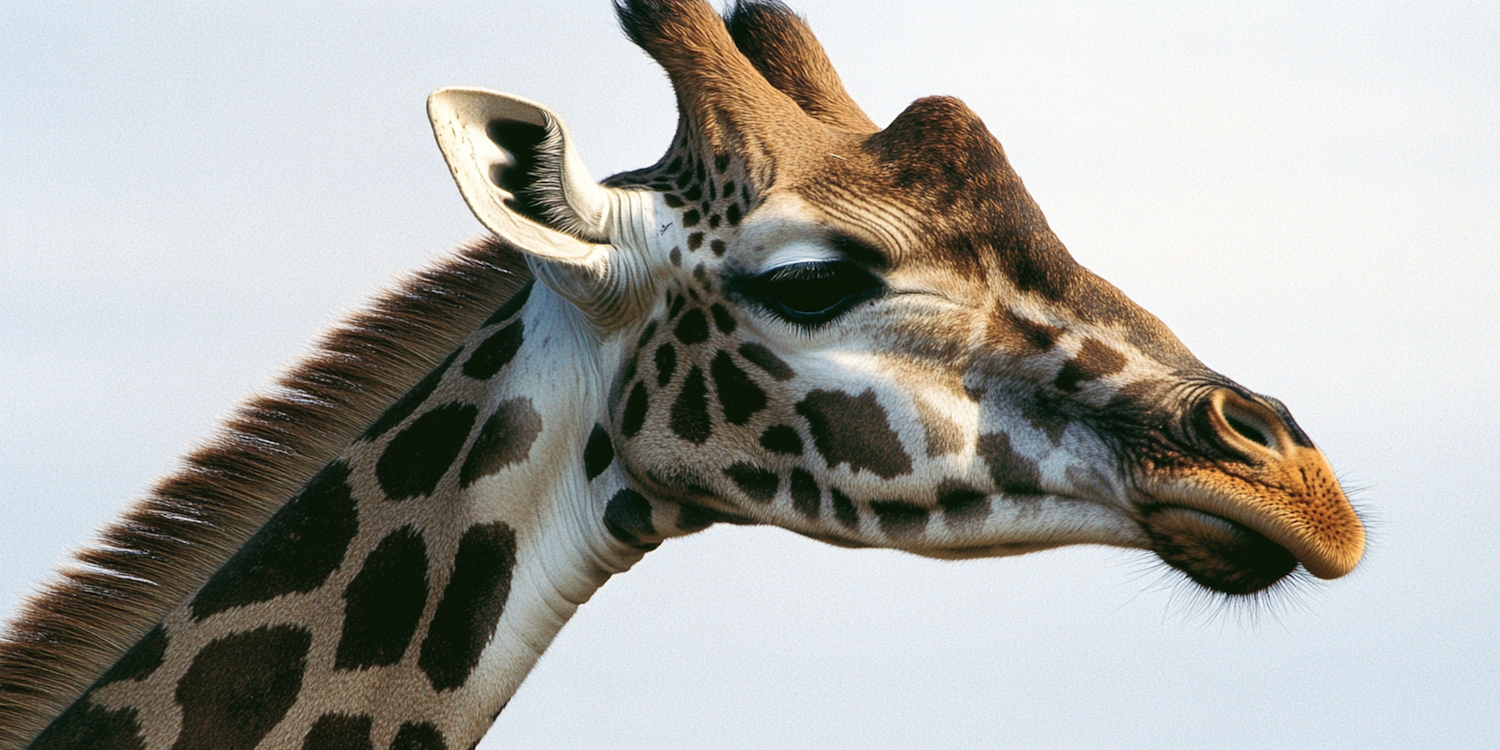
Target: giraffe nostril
[
  {"x": 1244, "y": 427},
  {"x": 1248, "y": 431}
]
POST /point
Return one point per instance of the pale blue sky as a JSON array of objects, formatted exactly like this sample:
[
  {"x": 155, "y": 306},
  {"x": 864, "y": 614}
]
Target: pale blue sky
[{"x": 1308, "y": 196}]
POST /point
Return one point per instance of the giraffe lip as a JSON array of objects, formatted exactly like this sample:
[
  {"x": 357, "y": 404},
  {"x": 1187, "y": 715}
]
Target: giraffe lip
[
  {"x": 1216, "y": 552},
  {"x": 1320, "y": 531}
]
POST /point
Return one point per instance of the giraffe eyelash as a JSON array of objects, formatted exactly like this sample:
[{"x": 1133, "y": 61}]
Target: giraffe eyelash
[{"x": 812, "y": 293}]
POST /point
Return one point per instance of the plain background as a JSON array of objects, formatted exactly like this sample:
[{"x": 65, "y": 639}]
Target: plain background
[{"x": 1306, "y": 192}]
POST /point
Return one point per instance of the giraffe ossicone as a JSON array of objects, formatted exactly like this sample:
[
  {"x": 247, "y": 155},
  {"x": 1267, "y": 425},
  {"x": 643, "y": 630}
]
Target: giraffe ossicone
[{"x": 868, "y": 336}]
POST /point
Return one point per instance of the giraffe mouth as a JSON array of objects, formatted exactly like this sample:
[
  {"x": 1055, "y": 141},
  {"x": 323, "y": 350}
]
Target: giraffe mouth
[{"x": 1215, "y": 552}]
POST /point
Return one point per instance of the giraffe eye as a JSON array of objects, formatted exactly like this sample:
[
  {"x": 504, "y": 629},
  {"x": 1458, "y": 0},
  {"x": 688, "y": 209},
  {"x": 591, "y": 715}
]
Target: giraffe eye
[{"x": 815, "y": 292}]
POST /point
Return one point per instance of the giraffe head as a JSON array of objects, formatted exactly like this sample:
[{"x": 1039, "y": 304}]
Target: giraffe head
[{"x": 871, "y": 336}]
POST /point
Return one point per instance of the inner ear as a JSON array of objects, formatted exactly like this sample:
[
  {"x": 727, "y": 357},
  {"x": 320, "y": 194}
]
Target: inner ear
[
  {"x": 515, "y": 167},
  {"x": 517, "y": 174}
]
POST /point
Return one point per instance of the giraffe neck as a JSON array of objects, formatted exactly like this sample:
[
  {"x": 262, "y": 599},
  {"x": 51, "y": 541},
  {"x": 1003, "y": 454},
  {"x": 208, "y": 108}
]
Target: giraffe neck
[{"x": 410, "y": 587}]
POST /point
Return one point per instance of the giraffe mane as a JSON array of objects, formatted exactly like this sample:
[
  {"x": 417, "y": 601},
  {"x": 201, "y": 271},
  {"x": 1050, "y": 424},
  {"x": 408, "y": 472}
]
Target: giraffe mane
[{"x": 166, "y": 543}]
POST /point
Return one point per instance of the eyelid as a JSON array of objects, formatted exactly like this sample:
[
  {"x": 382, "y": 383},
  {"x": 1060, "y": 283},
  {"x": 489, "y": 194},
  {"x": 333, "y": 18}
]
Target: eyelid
[{"x": 859, "y": 251}]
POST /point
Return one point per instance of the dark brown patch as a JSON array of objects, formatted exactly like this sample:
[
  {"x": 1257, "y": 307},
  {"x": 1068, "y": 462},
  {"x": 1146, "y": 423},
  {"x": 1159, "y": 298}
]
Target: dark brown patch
[
  {"x": 1019, "y": 336},
  {"x": 340, "y": 732},
  {"x": 627, "y": 516},
  {"x": 1093, "y": 361},
  {"x": 472, "y": 604},
  {"x": 408, "y": 403},
  {"x": 140, "y": 661},
  {"x": 806, "y": 497},
  {"x": 963, "y": 507},
  {"x": 598, "y": 454},
  {"x": 854, "y": 430},
  {"x": 226, "y": 704},
  {"x": 900, "y": 520},
  {"x": 413, "y": 463},
  {"x": 634, "y": 415},
  {"x": 1013, "y": 473},
  {"x": 740, "y": 397},
  {"x": 723, "y": 320},
  {"x": 496, "y": 352},
  {"x": 843, "y": 508},
  {"x": 767, "y": 360},
  {"x": 693, "y": 328},
  {"x": 504, "y": 439},
  {"x": 512, "y": 305},
  {"x": 85, "y": 726},
  {"x": 666, "y": 364},
  {"x": 646, "y": 334},
  {"x": 384, "y": 602},
  {"x": 760, "y": 484},
  {"x": 1045, "y": 412},
  {"x": 418, "y": 736},
  {"x": 781, "y": 439},
  {"x": 689, "y": 417},
  {"x": 294, "y": 552}
]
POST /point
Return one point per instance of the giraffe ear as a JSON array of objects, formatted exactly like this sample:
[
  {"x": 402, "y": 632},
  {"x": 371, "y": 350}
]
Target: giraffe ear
[{"x": 517, "y": 170}]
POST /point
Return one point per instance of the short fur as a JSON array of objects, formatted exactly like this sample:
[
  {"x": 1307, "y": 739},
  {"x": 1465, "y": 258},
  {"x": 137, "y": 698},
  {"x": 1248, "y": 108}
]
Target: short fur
[
  {"x": 167, "y": 543},
  {"x": 782, "y": 47}
]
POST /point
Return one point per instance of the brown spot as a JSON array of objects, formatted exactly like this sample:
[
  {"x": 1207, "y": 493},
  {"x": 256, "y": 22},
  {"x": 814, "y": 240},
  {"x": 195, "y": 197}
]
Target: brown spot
[
  {"x": 472, "y": 603},
  {"x": 1045, "y": 413},
  {"x": 1093, "y": 361},
  {"x": 767, "y": 360},
  {"x": 1013, "y": 473},
  {"x": 228, "y": 706},
  {"x": 759, "y": 483},
  {"x": 963, "y": 507},
  {"x": 900, "y": 520},
  {"x": 843, "y": 508},
  {"x": 1019, "y": 336},
  {"x": 506, "y": 438},
  {"x": 854, "y": 430},
  {"x": 336, "y": 731}
]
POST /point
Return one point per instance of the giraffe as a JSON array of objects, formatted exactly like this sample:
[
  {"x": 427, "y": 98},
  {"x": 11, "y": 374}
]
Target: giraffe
[{"x": 866, "y": 336}]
